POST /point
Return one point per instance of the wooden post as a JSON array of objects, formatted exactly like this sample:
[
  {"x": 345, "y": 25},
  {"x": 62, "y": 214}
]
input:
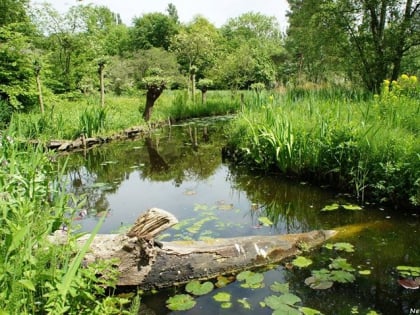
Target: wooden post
[{"x": 101, "y": 66}]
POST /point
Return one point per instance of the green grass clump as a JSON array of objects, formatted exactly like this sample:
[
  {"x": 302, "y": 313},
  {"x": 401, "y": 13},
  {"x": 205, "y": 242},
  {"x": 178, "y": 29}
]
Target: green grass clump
[{"x": 370, "y": 147}]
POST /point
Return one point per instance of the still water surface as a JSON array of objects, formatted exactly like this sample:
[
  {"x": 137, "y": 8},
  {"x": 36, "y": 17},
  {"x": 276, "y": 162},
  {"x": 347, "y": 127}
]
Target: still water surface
[{"x": 180, "y": 169}]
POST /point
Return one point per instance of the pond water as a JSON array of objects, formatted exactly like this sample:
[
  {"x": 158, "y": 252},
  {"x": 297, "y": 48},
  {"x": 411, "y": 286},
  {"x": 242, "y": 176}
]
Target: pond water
[{"x": 180, "y": 169}]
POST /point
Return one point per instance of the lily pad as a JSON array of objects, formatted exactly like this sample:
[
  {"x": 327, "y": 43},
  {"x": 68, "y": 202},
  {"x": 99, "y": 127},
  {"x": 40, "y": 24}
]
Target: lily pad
[
  {"x": 280, "y": 287},
  {"x": 332, "y": 207},
  {"x": 309, "y": 311},
  {"x": 222, "y": 297},
  {"x": 245, "y": 304},
  {"x": 252, "y": 280},
  {"x": 341, "y": 263},
  {"x": 341, "y": 246},
  {"x": 365, "y": 272},
  {"x": 301, "y": 262},
  {"x": 196, "y": 288},
  {"x": 342, "y": 276},
  {"x": 276, "y": 302},
  {"x": 408, "y": 271},
  {"x": 180, "y": 302},
  {"x": 352, "y": 207},
  {"x": 315, "y": 284}
]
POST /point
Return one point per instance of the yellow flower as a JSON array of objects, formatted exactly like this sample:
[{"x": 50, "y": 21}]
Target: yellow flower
[
  {"x": 386, "y": 82},
  {"x": 413, "y": 79},
  {"x": 404, "y": 77}
]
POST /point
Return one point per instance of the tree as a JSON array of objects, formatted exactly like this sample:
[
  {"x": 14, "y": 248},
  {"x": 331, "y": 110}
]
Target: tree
[
  {"x": 155, "y": 85},
  {"x": 13, "y": 11},
  {"x": 153, "y": 30},
  {"x": 196, "y": 48},
  {"x": 203, "y": 85},
  {"x": 372, "y": 37}
]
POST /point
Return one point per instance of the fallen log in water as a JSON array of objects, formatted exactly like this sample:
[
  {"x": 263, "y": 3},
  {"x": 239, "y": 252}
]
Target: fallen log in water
[{"x": 149, "y": 264}]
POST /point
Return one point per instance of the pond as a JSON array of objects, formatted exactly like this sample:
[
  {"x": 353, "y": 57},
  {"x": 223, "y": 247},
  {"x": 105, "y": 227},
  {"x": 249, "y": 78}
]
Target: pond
[{"x": 180, "y": 169}]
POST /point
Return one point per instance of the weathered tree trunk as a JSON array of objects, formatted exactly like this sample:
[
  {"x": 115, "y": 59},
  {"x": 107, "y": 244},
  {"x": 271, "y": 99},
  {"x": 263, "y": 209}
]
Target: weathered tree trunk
[
  {"x": 149, "y": 264},
  {"x": 39, "y": 87},
  {"x": 153, "y": 93},
  {"x": 101, "y": 66}
]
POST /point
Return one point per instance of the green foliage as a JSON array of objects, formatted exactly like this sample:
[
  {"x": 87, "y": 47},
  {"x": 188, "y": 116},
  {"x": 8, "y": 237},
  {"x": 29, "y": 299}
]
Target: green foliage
[
  {"x": 92, "y": 121},
  {"x": 251, "y": 279},
  {"x": 38, "y": 276},
  {"x": 196, "y": 288},
  {"x": 301, "y": 262},
  {"x": 180, "y": 302}
]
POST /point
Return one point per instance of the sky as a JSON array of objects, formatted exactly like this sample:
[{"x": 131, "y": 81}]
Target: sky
[{"x": 216, "y": 11}]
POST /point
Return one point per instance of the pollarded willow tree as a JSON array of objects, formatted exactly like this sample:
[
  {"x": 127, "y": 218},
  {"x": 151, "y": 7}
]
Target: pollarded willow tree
[{"x": 367, "y": 39}]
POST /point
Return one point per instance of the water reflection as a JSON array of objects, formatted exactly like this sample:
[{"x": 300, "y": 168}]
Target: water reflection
[{"x": 180, "y": 169}]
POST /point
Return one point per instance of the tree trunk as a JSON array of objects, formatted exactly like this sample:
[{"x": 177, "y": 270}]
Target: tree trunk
[
  {"x": 153, "y": 93},
  {"x": 41, "y": 101},
  {"x": 148, "y": 264},
  {"x": 101, "y": 82}
]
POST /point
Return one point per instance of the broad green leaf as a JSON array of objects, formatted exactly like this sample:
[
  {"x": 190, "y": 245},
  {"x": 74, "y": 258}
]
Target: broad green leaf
[
  {"x": 286, "y": 309},
  {"x": 343, "y": 246},
  {"x": 180, "y": 302},
  {"x": 409, "y": 271},
  {"x": 309, "y": 311},
  {"x": 253, "y": 280},
  {"x": 222, "y": 297},
  {"x": 331, "y": 207},
  {"x": 197, "y": 288},
  {"x": 226, "y": 305},
  {"x": 245, "y": 304},
  {"x": 301, "y": 262},
  {"x": 316, "y": 284},
  {"x": 329, "y": 246},
  {"x": 265, "y": 221},
  {"x": 289, "y": 298},
  {"x": 280, "y": 287},
  {"x": 352, "y": 207},
  {"x": 27, "y": 284},
  {"x": 342, "y": 276},
  {"x": 365, "y": 272},
  {"x": 341, "y": 263}
]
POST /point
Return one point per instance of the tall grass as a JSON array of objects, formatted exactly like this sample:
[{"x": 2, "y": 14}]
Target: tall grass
[
  {"x": 37, "y": 276},
  {"x": 370, "y": 147}
]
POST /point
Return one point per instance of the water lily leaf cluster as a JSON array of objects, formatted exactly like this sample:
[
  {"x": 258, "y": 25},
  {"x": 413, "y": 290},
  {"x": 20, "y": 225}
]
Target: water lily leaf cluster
[{"x": 336, "y": 206}]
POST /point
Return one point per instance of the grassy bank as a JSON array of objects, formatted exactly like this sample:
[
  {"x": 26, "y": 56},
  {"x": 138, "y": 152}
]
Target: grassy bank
[
  {"x": 367, "y": 145},
  {"x": 66, "y": 118},
  {"x": 36, "y": 276}
]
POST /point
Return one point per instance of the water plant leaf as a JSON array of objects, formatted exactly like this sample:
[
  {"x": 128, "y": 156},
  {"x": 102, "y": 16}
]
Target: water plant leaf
[
  {"x": 344, "y": 246},
  {"x": 180, "y": 302},
  {"x": 253, "y": 280},
  {"x": 332, "y": 207},
  {"x": 352, "y": 207},
  {"x": 365, "y": 272},
  {"x": 200, "y": 207},
  {"x": 341, "y": 263},
  {"x": 286, "y": 309},
  {"x": 409, "y": 271},
  {"x": 342, "y": 276},
  {"x": 223, "y": 281},
  {"x": 280, "y": 287},
  {"x": 244, "y": 303},
  {"x": 277, "y": 302},
  {"x": 196, "y": 288},
  {"x": 309, "y": 311},
  {"x": 265, "y": 221},
  {"x": 28, "y": 284},
  {"x": 317, "y": 284},
  {"x": 301, "y": 262},
  {"x": 222, "y": 297}
]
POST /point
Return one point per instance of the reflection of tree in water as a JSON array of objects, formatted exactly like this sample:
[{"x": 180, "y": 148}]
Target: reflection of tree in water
[
  {"x": 165, "y": 156},
  {"x": 284, "y": 202}
]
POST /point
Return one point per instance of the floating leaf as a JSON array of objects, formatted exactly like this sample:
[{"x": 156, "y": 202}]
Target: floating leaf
[
  {"x": 331, "y": 207},
  {"x": 286, "y": 309},
  {"x": 200, "y": 207},
  {"x": 329, "y": 246},
  {"x": 252, "y": 280},
  {"x": 222, "y": 297},
  {"x": 222, "y": 281},
  {"x": 280, "y": 287},
  {"x": 180, "y": 302},
  {"x": 352, "y": 207},
  {"x": 276, "y": 302},
  {"x": 265, "y": 221},
  {"x": 301, "y": 262},
  {"x": 365, "y": 272},
  {"x": 344, "y": 246},
  {"x": 341, "y": 263},
  {"x": 317, "y": 284},
  {"x": 409, "y": 271},
  {"x": 309, "y": 311},
  {"x": 342, "y": 276},
  {"x": 245, "y": 304},
  {"x": 197, "y": 288}
]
